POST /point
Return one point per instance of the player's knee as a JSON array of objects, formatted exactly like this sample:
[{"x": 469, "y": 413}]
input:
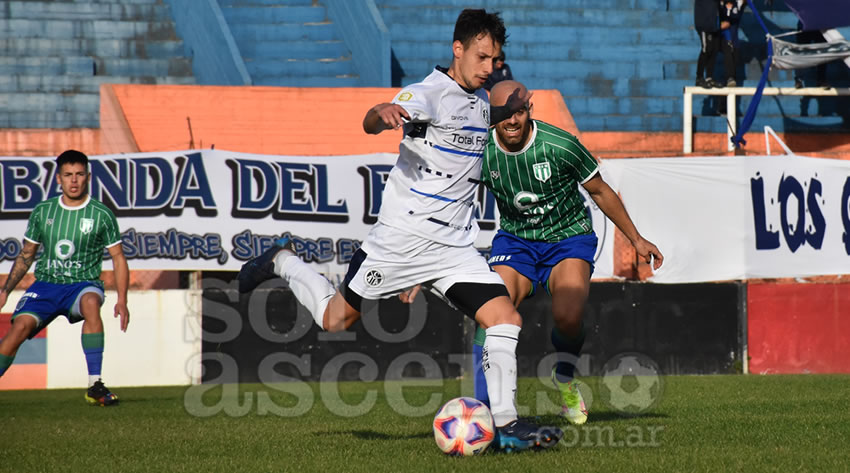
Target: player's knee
[
  {"x": 498, "y": 311},
  {"x": 90, "y": 306},
  {"x": 22, "y": 327},
  {"x": 91, "y": 301}
]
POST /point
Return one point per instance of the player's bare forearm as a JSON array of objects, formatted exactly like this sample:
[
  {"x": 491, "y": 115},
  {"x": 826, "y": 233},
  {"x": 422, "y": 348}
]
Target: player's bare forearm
[
  {"x": 372, "y": 123},
  {"x": 122, "y": 275},
  {"x": 22, "y": 264},
  {"x": 122, "y": 284},
  {"x": 384, "y": 116},
  {"x": 611, "y": 205}
]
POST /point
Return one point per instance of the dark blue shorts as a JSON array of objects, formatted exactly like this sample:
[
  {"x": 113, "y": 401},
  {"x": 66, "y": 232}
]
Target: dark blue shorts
[
  {"x": 45, "y": 301},
  {"x": 535, "y": 259}
]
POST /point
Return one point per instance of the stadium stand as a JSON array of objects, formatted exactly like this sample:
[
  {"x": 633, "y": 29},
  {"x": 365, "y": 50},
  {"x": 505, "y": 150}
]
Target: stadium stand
[
  {"x": 620, "y": 64},
  {"x": 55, "y": 55},
  {"x": 289, "y": 43}
]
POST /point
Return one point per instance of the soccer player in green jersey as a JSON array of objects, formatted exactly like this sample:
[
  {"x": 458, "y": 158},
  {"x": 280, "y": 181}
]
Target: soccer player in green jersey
[
  {"x": 534, "y": 169},
  {"x": 73, "y": 229}
]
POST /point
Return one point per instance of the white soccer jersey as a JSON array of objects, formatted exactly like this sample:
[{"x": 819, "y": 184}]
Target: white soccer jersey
[{"x": 431, "y": 191}]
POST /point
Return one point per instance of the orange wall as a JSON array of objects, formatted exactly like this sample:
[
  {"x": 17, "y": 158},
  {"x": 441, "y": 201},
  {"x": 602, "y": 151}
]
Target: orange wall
[
  {"x": 47, "y": 142},
  {"x": 268, "y": 120},
  {"x": 318, "y": 121}
]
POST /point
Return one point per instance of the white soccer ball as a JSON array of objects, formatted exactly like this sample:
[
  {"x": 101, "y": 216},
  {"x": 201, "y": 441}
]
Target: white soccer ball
[{"x": 464, "y": 426}]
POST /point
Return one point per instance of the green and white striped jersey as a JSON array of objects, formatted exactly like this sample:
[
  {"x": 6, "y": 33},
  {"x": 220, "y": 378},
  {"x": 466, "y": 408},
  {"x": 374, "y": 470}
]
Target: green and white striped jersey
[
  {"x": 73, "y": 239},
  {"x": 537, "y": 188}
]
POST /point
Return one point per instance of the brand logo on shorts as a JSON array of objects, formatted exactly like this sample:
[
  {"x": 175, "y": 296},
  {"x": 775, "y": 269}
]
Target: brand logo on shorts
[
  {"x": 64, "y": 249},
  {"x": 86, "y": 225},
  {"x": 374, "y": 277},
  {"x": 542, "y": 171},
  {"x": 498, "y": 258}
]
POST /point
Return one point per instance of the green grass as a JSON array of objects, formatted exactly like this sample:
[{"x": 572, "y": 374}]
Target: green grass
[{"x": 703, "y": 423}]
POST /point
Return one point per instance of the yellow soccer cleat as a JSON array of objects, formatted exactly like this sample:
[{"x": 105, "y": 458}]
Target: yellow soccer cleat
[{"x": 572, "y": 404}]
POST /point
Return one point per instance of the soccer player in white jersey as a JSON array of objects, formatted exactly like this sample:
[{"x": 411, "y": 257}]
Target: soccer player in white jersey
[
  {"x": 74, "y": 229},
  {"x": 545, "y": 237},
  {"x": 425, "y": 230}
]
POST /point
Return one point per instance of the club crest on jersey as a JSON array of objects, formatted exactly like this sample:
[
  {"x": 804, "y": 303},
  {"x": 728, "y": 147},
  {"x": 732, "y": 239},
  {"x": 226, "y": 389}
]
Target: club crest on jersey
[
  {"x": 485, "y": 112},
  {"x": 374, "y": 277},
  {"x": 64, "y": 249},
  {"x": 494, "y": 175},
  {"x": 542, "y": 171},
  {"x": 50, "y": 222},
  {"x": 86, "y": 225}
]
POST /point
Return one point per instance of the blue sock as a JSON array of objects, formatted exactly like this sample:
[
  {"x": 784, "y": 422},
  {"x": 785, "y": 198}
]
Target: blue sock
[
  {"x": 5, "y": 363},
  {"x": 569, "y": 350},
  {"x": 479, "y": 382},
  {"x": 93, "y": 348}
]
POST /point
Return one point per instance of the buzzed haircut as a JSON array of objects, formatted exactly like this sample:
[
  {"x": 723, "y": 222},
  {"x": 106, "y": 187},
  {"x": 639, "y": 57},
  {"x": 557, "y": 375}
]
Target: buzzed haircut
[
  {"x": 473, "y": 23},
  {"x": 72, "y": 156}
]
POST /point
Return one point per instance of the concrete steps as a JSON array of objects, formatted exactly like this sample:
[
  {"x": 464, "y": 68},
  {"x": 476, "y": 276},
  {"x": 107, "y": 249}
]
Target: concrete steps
[
  {"x": 289, "y": 44},
  {"x": 54, "y": 55}
]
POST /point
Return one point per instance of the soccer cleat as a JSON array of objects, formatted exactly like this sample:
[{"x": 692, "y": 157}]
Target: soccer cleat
[
  {"x": 519, "y": 435},
  {"x": 100, "y": 395},
  {"x": 572, "y": 406},
  {"x": 701, "y": 83},
  {"x": 731, "y": 83},
  {"x": 261, "y": 268}
]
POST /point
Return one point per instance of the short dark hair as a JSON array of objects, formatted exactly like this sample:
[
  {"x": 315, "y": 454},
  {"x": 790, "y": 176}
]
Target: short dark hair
[
  {"x": 473, "y": 23},
  {"x": 72, "y": 156}
]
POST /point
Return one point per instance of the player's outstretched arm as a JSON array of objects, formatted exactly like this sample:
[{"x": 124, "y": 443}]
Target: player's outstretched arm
[
  {"x": 612, "y": 206},
  {"x": 122, "y": 283},
  {"x": 384, "y": 116},
  {"x": 19, "y": 269}
]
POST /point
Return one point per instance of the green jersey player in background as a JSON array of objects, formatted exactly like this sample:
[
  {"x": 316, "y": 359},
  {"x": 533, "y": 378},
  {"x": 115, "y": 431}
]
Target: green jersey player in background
[
  {"x": 534, "y": 169},
  {"x": 73, "y": 229}
]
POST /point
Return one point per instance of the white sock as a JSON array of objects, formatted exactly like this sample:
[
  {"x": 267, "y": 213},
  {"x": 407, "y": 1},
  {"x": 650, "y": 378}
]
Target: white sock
[
  {"x": 499, "y": 361},
  {"x": 93, "y": 378},
  {"x": 311, "y": 289}
]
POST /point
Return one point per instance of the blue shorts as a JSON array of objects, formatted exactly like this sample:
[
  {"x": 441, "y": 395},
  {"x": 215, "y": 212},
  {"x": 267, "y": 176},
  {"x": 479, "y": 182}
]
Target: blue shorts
[
  {"x": 45, "y": 301},
  {"x": 535, "y": 259}
]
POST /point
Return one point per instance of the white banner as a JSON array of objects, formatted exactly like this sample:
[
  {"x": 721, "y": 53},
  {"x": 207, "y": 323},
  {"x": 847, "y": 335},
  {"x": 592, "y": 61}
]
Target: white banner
[
  {"x": 723, "y": 218},
  {"x": 213, "y": 209}
]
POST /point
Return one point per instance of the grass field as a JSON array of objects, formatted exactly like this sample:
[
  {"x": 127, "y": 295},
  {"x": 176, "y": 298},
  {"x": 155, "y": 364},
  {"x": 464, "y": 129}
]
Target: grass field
[{"x": 702, "y": 423}]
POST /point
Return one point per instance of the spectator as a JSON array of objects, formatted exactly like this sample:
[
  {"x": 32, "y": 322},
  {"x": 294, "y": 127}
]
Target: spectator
[
  {"x": 730, "y": 18},
  {"x": 706, "y": 15},
  {"x": 810, "y": 37},
  {"x": 501, "y": 71}
]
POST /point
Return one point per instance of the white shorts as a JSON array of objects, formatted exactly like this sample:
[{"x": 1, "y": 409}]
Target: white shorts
[{"x": 396, "y": 260}]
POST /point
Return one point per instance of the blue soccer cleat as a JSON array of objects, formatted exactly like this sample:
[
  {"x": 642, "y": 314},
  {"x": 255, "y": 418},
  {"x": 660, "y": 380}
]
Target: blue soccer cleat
[
  {"x": 519, "y": 435},
  {"x": 261, "y": 268}
]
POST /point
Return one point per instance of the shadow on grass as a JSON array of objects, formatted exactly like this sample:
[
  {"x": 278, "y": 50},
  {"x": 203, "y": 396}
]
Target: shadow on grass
[
  {"x": 373, "y": 435},
  {"x": 595, "y": 417}
]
